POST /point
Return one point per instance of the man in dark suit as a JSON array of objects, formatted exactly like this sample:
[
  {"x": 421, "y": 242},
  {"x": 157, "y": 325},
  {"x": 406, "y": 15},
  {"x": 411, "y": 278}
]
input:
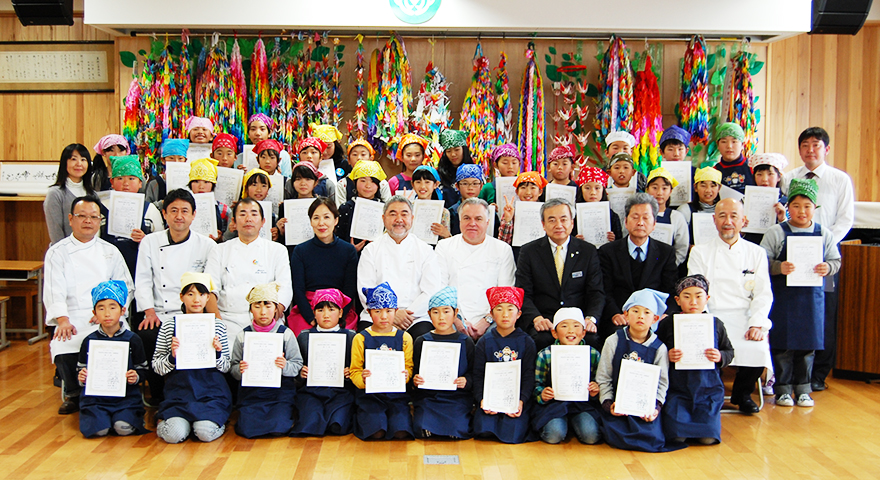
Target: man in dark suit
[
  {"x": 634, "y": 262},
  {"x": 557, "y": 271}
]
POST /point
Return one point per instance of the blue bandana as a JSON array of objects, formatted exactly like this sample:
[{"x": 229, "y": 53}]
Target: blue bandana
[
  {"x": 675, "y": 133},
  {"x": 113, "y": 289},
  {"x": 469, "y": 170},
  {"x": 175, "y": 146},
  {"x": 430, "y": 169},
  {"x": 446, "y": 297},
  {"x": 651, "y": 299},
  {"x": 380, "y": 297}
]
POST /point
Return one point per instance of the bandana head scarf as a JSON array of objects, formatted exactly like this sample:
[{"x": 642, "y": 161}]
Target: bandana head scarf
[
  {"x": 512, "y": 295},
  {"x": 651, "y": 299},
  {"x": 569, "y": 313},
  {"x": 446, "y": 297},
  {"x": 248, "y": 175},
  {"x": 327, "y": 133},
  {"x": 203, "y": 169},
  {"x": 127, "y": 166},
  {"x": 804, "y": 186},
  {"x": 777, "y": 160},
  {"x": 268, "y": 144},
  {"x": 108, "y": 141},
  {"x": 224, "y": 140},
  {"x": 709, "y": 174},
  {"x": 331, "y": 295},
  {"x": 564, "y": 151},
  {"x": 430, "y": 169},
  {"x": 661, "y": 172},
  {"x": 115, "y": 290},
  {"x": 675, "y": 133},
  {"x": 453, "y": 138},
  {"x": 468, "y": 170},
  {"x": 620, "y": 136},
  {"x": 410, "y": 139},
  {"x": 380, "y": 297},
  {"x": 367, "y": 168},
  {"x": 311, "y": 166},
  {"x": 361, "y": 143},
  {"x": 313, "y": 142},
  {"x": 175, "y": 146},
  {"x": 264, "y": 292},
  {"x": 691, "y": 281},
  {"x": 190, "y": 278},
  {"x": 261, "y": 117},
  {"x": 530, "y": 177},
  {"x": 194, "y": 122},
  {"x": 730, "y": 129},
  {"x": 592, "y": 174},
  {"x": 506, "y": 150},
  {"x": 621, "y": 157}
]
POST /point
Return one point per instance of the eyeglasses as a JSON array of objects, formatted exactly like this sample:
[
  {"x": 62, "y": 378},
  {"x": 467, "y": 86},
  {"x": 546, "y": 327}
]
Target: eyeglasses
[
  {"x": 469, "y": 184},
  {"x": 80, "y": 216}
]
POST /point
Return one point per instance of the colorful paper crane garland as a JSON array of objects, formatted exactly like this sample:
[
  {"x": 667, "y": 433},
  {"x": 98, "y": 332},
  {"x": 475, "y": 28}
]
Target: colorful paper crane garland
[
  {"x": 259, "y": 98},
  {"x": 614, "y": 106},
  {"x": 694, "y": 101},
  {"x": 530, "y": 137},
  {"x": 503, "y": 114},
  {"x": 431, "y": 115},
  {"x": 395, "y": 97},
  {"x": 741, "y": 108},
  {"x": 478, "y": 112},
  {"x": 647, "y": 119}
]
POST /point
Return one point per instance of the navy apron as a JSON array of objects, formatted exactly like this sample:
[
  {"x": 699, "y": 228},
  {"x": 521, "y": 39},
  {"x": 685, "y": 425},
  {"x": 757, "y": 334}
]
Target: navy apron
[
  {"x": 443, "y": 412},
  {"x": 542, "y": 413},
  {"x": 402, "y": 183},
  {"x": 693, "y": 402},
  {"x": 196, "y": 395},
  {"x": 324, "y": 410},
  {"x": 382, "y": 411},
  {"x": 263, "y": 410},
  {"x": 628, "y": 432},
  {"x": 798, "y": 313}
]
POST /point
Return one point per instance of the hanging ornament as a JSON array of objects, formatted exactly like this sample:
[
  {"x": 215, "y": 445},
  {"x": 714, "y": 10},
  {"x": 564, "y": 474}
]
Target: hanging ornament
[
  {"x": 431, "y": 115},
  {"x": 478, "y": 112},
  {"x": 614, "y": 106},
  {"x": 238, "y": 101},
  {"x": 395, "y": 97},
  {"x": 132, "y": 111},
  {"x": 357, "y": 126},
  {"x": 183, "y": 81},
  {"x": 530, "y": 137},
  {"x": 694, "y": 102},
  {"x": 259, "y": 98},
  {"x": 149, "y": 121},
  {"x": 647, "y": 119},
  {"x": 277, "y": 76},
  {"x": 741, "y": 108},
  {"x": 335, "y": 99},
  {"x": 502, "y": 102}
]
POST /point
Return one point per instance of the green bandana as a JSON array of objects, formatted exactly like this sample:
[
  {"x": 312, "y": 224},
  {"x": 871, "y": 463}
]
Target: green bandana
[
  {"x": 452, "y": 139},
  {"x": 730, "y": 129},
  {"x": 804, "y": 186},
  {"x": 127, "y": 166}
]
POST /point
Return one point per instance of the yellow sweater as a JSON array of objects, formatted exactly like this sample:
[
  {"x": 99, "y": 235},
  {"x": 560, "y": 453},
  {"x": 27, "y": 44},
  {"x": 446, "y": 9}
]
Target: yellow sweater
[{"x": 357, "y": 355}]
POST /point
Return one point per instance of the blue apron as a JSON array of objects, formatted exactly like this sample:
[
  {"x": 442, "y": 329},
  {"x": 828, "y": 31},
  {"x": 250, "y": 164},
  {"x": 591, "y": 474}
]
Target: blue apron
[
  {"x": 798, "y": 313},
  {"x": 628, "y": 432},
  {"x": 263, "y": 410},
  {"x": 402, "y": 183},
  {"x": 442, "y": 412},
  {"x": 382, "y": 411},
  {"x": 324, "y": 410},
  {"x": 693, "y": 402},
  {"x": 195, "y": 395},
  {"x": 543, "y": 413}
]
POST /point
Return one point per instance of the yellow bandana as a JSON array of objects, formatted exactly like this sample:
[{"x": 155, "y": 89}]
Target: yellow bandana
[
  {"x": 367, "y": 168},
  {"x": 662, "y": 172},
  {"x": 265, "y": 292},
  {"x": 248, "y": 175},
  {"x": 327, "y": 133},
  {"x": 203, "y": 169},
  {"x": 707, "y": 174}
]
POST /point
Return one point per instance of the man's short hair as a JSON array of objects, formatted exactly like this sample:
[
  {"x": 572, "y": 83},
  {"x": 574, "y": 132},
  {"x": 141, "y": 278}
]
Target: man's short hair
[
  {"x": 641, "y": 198},
  {"x": 179, "y": 194},
  {"x": 247, "y": 201},
  {"x": 473, "y": 201},
  {"x": 818, "y": 133},
  {"x": 555, "y": 202},
  {"x": 86, "y": 199},
  {"x": 396, "y": 199}
]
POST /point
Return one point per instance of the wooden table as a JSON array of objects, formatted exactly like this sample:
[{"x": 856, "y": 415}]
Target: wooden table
[
  {"x": 24, "y": 271},
  {"x": 3, "y": 342}
]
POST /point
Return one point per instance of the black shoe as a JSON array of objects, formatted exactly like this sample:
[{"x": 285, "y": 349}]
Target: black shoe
[
  {"x": 746, "y": 405},
  {"x": 818, "y": 386},
  {"x": 71, "y": 405}
]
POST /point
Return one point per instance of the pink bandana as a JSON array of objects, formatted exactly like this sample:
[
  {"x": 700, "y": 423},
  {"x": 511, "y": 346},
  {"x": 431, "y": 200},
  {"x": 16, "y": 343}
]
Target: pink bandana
[
  {"x": 108, "y": 141},
  {"x": 330, "y": 295},
  {"x": 193, "y": 122}
]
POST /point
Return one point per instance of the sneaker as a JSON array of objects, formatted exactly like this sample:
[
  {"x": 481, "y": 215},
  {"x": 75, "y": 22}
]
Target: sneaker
[
  {"x": 785, "y": 400},
  {"x": 767, "y": 390},
  {"x": 804, "y": 400}
]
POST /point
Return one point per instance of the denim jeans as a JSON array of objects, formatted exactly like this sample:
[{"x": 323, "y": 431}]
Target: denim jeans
[{"x": 585, "y": 428}]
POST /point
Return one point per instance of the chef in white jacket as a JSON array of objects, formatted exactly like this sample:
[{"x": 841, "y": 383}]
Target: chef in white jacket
[
  {"x": 74, "y": 266},
  {"x": 473, "y": 262},
  {"x": 738, "y": 275},
  {"x": 408, "y": 264},
  {"x": 239, "y": 264}
]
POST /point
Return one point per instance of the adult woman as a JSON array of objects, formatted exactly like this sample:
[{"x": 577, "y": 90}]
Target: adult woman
[
  {"x": 325, "y": 261},
  {"x": 73, "y": 180}
]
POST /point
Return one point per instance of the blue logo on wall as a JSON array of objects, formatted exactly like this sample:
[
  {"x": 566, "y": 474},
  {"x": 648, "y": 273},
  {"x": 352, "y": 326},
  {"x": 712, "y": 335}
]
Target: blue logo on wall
[{"x": 414, "y": 11}]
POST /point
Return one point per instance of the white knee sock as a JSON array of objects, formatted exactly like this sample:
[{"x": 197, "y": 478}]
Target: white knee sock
[
  {"x": 208, "y": 431},
  {"x": 122, "y": 428},
  {"x": 173, "y": 430}
]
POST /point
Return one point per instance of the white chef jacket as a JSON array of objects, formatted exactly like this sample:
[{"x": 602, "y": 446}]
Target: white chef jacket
[
  {"x": 472, "y": 269},
  {"x": 835, "y": 200},
  {"x": 72, "y": 270},
  {"x": 410, "y": 268}
]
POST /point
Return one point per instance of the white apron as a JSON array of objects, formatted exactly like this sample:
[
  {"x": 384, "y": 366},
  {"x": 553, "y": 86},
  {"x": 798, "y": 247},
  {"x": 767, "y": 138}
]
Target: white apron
[{"x": 747, "y": 353}]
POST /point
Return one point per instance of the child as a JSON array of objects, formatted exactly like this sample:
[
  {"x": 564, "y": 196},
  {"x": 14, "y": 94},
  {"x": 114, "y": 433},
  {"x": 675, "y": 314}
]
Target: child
[
  {"x": 411, "y": 153},
  {"x": 268, "y": 155},
  {"x": 506, "y": 159},
  {"x": 256, "y": 185},
  {"x": 707, "y": 185},
  {"x": 426, "y": 183},
  {"x": 441, "y": 412},
  {"x": 591, "y": 188},
  {"x": 695, "y": 397},
  {"x": 199, "y": 130},
  {"x": 203, "y": 179},
  {"x": 309, "y": 151},
  {"x": 331, "y": 136},
  {"x": 504, "y": 343},
  {"x": 560, "y": 164},
  {"x": 622, "y": 142},
  {"x": 798, "y": 313},
  {"x": 174, "y": 151},
  {"x": 381, "y": 415},
  {"x": 735, "y": 172},
  {"x": 635, "y": 342},
  {"x": 767, "y": 168},
  {"x": 529, "y": 186},
  {"x": 264, "y": 410},
  {"x": 674, "y": 144},
  {"x": 660, "y": 185},
  {"x": 108, "y": 146},
  {"x": 98, "y": 414},
  {"x": 367, "y": 177},
  {"x": 223, "y": 149},
  {"x": 455, "y": 154},
  {"x": 621, "y": 169},
  {"x": 358, "y": 151},
  {"x": 469, "y": 182},
  {"x": 551, "y": 417},
  {"x": 325, "y": 410},
  {"x": 196, "y": 400},
  {"x": 300, "y": 186},
  {"x": 259, "y": 128}
]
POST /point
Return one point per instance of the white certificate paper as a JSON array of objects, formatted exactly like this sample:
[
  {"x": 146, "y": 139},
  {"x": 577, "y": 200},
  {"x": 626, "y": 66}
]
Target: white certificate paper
[
  {"x": 298, "y": 228},
  {"x": 759, "y": 208},
  {"x": 693, "y": 334},
  {"x": 266, "y": 231},
  {"x": 387, "y": 371},
  {"x": 328, "y": 168},
  {"x": 570, "y": 372},
  {"x": 553, "y": 190},
  {"x": 527, "y": 223},
  {"x": 492, "y": 217},
  {"x": 438, "y": 365},
  {"x": 681, "y": 170},
  {"x": 805, "y": 253},
  {"x": 594, "y": 222},
  {"x": 195, "y": 332},
  {"x": 636, "y": 388},
  {"x": 704, "y": 228},
  {"x": 366, "y": 221},
  {"x": 176, "y": 175},
  {"x": 276, "y": 192},
  {"x": 617, "y": 198},
  {"x": 326, "y": 360},
  {"x": 250, "y": 160},
  {"x": 126, "y": 213},
  {"x": 426, "y": 213},
  {"x": 197, "y": 151},
  {"x": 205, "y": 221},
  {"x": 260, "y": 351},
  {"x": 501, "y": 386},
  {"x": 107, "y": 364},
  {"x": 504, "y": 188},
  {"x": 727, "y": 192},
  {"x": 228, "y": 188},
  {"x": 662, "y": 233}
]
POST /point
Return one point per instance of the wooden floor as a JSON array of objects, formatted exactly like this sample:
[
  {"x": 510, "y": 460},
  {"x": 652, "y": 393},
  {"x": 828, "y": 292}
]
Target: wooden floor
[{"x": 838, "y": 438}]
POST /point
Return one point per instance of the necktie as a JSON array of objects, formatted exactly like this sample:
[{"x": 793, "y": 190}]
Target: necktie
[
  {"x": 639, "y": 254},
  {"x": 560, "y": 263},
  {"x": 810, "y": 175}
]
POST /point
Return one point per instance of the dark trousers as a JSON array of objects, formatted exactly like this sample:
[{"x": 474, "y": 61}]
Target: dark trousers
[
  {"x": 66, "y": 366},
  {"x": 792, "y": 369},
  {"x": 156, "y": 382},
  {"x": 824, "y": 361},
  {"x": 744, "y": 383}
]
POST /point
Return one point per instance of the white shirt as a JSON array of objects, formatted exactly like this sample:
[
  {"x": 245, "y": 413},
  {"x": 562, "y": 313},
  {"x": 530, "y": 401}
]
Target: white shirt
[
  {"x": 738, "y": 276},
  {"x": 564, "y": 248},
  {"x": 836, "y": 198},
  {"x": 472, "y": 269},
  {"x": 237, "y": 267},
  {"x": 410, "y": 267},
  {"x": 160, "y": 264}
]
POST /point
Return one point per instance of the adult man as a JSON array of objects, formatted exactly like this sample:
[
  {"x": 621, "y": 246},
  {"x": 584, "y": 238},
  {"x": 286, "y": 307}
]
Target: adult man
[
  {"x": 74, "y": 266},
  {"x": 163, "y": 258},
  {"x": 555, "y": 271},
  {"x": 835, "y": 212},
  {"x": 741, "y": 296},
  {"x": 473, "y": 262},
  {"x": 635, "y": 262},
  {"x": 408, "y": 264},
  {"x": 238, "y": 265}
]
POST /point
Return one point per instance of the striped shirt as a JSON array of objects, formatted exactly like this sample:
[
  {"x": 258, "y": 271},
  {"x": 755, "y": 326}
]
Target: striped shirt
[{"x": 164, "y": 363}]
